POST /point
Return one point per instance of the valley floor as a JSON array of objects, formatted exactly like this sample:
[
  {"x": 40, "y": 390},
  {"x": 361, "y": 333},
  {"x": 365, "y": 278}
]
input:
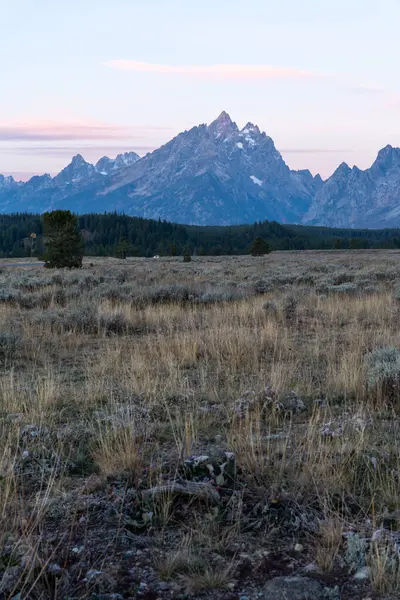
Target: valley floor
[{"x": 212, "y": 429}]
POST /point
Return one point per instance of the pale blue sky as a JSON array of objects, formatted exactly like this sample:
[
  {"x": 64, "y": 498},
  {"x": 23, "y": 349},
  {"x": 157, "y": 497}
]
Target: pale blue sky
[{"x": 320, "y": 77}]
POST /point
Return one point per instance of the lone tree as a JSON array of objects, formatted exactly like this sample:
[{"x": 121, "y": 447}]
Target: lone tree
[
  {"x": 123, "y": 248},
  {"x": 186, "y": 255},
  {"x": 63, "y": 242},
  {"x": 260, "y": 247}
]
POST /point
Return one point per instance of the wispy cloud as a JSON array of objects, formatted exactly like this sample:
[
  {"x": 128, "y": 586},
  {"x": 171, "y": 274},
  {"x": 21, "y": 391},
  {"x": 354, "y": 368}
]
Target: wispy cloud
[
  {"x": 366, "y": 88},
  {"x": 314, "y": 150},
  {"x": 42, "y": 131},
  {"x": 214, "y": 71},
  {"x": 73, "y": 149}
]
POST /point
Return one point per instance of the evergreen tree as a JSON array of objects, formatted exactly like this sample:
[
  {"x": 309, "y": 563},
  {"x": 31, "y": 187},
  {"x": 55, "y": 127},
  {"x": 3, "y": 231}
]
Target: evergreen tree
[
  {"x": 260, "y": 247},
  {"x": 63, "y": 242},
  {"x": 123, "y": 248},
  {"x": 173, "y": 250}
]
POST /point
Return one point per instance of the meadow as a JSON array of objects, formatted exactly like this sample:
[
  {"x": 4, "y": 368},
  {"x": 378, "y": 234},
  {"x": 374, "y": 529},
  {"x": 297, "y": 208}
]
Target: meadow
[{"x": 197, "y": 430}]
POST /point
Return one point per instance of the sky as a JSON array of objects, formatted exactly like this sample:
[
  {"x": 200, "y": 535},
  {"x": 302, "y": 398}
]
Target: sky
[{"x": 101, "y": 77}]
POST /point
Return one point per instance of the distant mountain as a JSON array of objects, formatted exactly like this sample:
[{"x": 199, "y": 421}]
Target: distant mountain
[
  {"x": 108, "y": 166},
  {"x": 355, "y": 198},
  {"x": 217, "y": 175},
  {"x": 214, "y": 174},
  {"x": 43, "y": 192}
]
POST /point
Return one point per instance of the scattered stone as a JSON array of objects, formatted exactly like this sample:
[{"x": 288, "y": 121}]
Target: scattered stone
[
  {"x": 295, "y": 588},
  {"x": 311, "y": 568},
  {"x": 92, "y": 574},
  {"x": 363, "y": 573},
  {"x": 299, "y": 548},
  {"x": 203, "y": 491},
  {"x": 331, "y": 430},
  {"x": 54, "y": 568},
  {"x": 290, "y": 403},
  {"x": 163, "y": 585}
]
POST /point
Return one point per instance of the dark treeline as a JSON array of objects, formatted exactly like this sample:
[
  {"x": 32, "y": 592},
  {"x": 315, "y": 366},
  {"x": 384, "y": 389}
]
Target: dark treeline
[{"x": 114, "y": 234}]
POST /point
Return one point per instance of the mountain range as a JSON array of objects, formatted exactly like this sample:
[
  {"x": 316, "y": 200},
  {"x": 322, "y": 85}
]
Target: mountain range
[{"x": 217, "y": 174}]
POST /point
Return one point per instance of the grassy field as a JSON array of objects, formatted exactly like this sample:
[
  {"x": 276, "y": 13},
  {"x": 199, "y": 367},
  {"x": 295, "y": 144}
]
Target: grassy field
[{"x": 193, "y": 430}]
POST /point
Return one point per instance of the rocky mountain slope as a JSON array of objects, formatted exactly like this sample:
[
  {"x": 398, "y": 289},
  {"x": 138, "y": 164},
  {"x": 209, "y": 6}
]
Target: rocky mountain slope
[
  {"x": 214, "y": 174},
  {"x": 355, "y": 198},
  {"x": 217, "y": 174}
]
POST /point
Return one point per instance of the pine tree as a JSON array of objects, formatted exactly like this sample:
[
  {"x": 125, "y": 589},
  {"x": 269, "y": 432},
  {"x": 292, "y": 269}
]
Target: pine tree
[
  {"x": 186, "y": 255},
  {"x": 123, "y": 247},
  {"x": 63, "y": 242},
  {"x": 260, "y": 247}
]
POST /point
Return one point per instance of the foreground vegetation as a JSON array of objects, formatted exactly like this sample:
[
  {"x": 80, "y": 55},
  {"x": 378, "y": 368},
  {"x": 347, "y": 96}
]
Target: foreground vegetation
[
  {"x": 119, "y": 235},
  {"x": 190, "y": 430}
]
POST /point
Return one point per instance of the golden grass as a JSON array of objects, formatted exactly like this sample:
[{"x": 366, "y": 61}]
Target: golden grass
[{"x": 132, "y": 405}]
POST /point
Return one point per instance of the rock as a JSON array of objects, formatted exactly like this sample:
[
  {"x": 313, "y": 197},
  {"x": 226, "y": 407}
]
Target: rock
[
  {"x": 54, "y": 568},
  {"x": 295, "y": 588},
  {"x": 163, "y": 585},
  {"x": 362, "y": 574},
  {"x": 203, "y": 491},
  {"x": 299, "y": 548},
  {"x": 92, "y": 574},
  {"x": 290, "y": 403},
  {"x": 311, "y": 568}
]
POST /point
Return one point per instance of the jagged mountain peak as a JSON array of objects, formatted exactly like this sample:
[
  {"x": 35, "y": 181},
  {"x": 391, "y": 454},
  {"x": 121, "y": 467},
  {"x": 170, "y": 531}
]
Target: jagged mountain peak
[
  {"x": 223, "y": 125},
  {"x": 224, "y": 118},
  {"x": 76, "y": 172},
  {"x": 250, "y": 128},
  {"x": 40, "y": 182},
  {"x": 8, "y": 181},
  {"x": 106, "y": 165},
  {"x": 78, "y": 160},
  {"x": 342, "y": 170},
  {"x": 386, "y": 157}
]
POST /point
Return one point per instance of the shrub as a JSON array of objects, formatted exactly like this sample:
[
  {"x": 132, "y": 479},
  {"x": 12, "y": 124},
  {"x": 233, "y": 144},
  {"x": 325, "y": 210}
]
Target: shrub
[
  {"x": 116, "y": 323},
  {"x": 169, "y": 293},
  {"x": 223, "y": 294},
  {"x": 10, "y": 344},
  {"x": 261, "y": 286},
  {"x": 9, "y": 295},
  {"x": 289, "y": 308},
  {"x": 396, "y": 293},
  {"x": 270, "y": 309},
  {"x": 383, "y": 372},
  {"x": 342, "y": 288}
]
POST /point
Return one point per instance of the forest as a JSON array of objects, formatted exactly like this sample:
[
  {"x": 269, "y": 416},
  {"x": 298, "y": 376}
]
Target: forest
[{"x": 113, "y": 234}]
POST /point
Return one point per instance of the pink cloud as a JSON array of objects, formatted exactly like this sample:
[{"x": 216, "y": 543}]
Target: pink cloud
[
  {"x": 37, "y": 130},
  {"x": 213, "y": 71}
]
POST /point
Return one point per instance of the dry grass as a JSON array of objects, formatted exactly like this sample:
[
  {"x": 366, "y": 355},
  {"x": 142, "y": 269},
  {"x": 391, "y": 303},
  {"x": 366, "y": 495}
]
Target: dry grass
[{"x": 124, "y": 369}]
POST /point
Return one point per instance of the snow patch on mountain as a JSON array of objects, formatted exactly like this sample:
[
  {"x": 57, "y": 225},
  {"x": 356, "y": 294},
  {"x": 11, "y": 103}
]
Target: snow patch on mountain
[{"x": 256, "y": 180}]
